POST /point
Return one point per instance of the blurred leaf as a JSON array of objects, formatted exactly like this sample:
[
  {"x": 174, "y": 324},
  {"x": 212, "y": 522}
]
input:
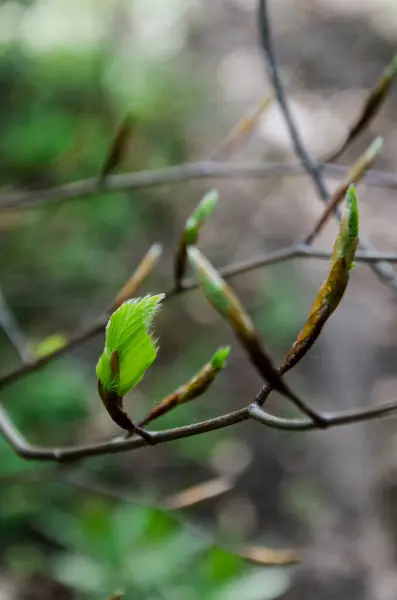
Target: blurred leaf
[
  {"x": 82, "y": 573},
  {"x": 198, "y": 493},
  {"x": 268, "y": 556},
  {"x": 266, "y": 584},
  {"x": 50, "y": 344}
]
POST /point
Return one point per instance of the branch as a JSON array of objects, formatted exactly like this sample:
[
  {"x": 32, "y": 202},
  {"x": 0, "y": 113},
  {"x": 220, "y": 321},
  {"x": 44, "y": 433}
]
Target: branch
[
  {"x": 346, "y": 417},
  {"x": 205, "y": 169},
  {"x": 31, "y": 452},
  {"x": 228, "y": 272},
  {"x": 13, "y": 331},
  {"x": 383, "y": 270}
]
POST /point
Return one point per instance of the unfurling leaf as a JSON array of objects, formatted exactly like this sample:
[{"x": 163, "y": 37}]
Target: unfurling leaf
[
  {"x": 129, "y": 351},
  {"x": 358, "y": 170},
  {"x": 226, "y": 303},
  {"x": 193, "y": 388},
  {"x": 191, "y": 231},
  {"x": 371, "y": 107},
  {"x": 142, "y": 271},
  {"x": 333, "y": 288}
]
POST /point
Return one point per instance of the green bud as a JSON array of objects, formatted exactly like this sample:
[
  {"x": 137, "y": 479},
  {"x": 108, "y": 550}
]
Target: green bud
[
  {"x": 200, "y": 214},
  {"x": 218, "y": 360},
  {"x": 346, "y": 242}
]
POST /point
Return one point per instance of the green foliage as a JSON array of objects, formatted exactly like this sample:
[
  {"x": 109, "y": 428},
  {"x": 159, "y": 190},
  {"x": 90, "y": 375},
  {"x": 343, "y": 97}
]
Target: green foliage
[{"x": 143, "y": 551}]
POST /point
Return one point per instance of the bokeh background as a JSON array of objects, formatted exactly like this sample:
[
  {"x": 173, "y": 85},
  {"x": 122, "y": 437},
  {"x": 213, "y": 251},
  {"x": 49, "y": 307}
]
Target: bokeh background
[{"x": 186, "y": 71}]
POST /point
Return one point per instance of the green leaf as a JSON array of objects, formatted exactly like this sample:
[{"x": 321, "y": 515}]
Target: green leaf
[{"x": 128, "y": 337}]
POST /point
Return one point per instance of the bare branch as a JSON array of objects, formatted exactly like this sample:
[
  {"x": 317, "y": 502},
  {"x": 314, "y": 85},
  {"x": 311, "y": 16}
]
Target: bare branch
[
  {"x": 31, "y": 452},
  {"x": 383, "y": 270},
  {"x": 175, "y": 175},
  {"x": 346, "y": 417},
  {"x": 13, "y": 331}
]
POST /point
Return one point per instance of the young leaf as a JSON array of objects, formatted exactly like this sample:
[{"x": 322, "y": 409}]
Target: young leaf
[
  {"x": 333, "y": 288},
  {"x": 193, "y": 388},
  {"x": 129, "y": 351},
  {"x": 371, "y": 107},
  {"x": 358, "y": 170},
  {"x": 191, "y": 231}
]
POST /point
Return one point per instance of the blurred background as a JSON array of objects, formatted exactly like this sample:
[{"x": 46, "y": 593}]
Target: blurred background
[{"x": 186, "y": 71}]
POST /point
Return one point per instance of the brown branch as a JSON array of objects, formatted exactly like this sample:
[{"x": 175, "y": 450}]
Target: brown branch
[
  {"x": 31, "y": 452},
  {"x": 174, "y": 175},
  {"x": 345, "y": 417}
]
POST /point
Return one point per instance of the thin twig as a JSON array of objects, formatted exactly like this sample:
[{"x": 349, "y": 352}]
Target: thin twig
[
  {"x": 383, "y": 270},
  {"x": 13, "y": 331},
  {"x": 345, "y": 417},
  {"x": 177, "y": 174}
]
